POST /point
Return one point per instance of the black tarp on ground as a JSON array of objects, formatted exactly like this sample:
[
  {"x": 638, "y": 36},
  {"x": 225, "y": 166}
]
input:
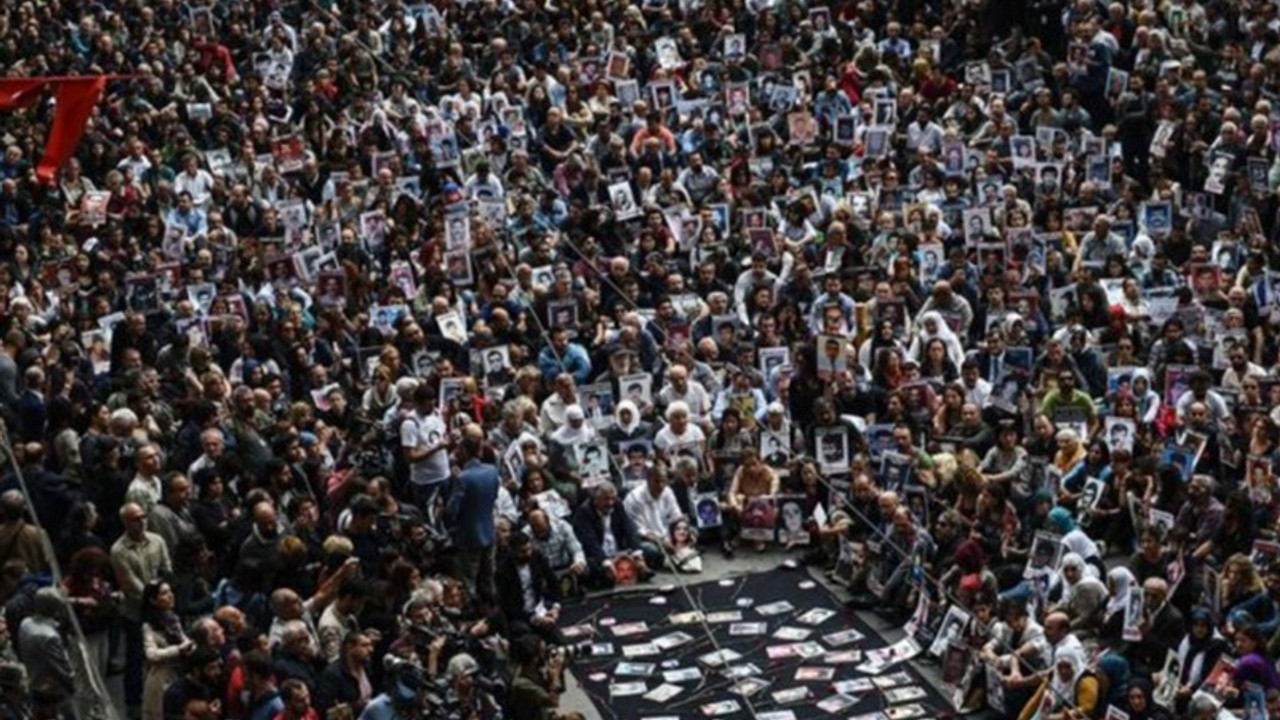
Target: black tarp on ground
[{"x": 598, "y": 674}]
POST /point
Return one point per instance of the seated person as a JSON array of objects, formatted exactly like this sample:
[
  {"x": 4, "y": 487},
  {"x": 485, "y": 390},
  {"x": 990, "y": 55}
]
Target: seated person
[{"x": 607, "y": 536}]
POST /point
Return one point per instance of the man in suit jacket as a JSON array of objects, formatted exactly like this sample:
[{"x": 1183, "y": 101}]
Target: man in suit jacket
[
  {"x": 606, "y": 533},
  {"x": 528, "y": 591},
  {"x": 470, "y": 513}
]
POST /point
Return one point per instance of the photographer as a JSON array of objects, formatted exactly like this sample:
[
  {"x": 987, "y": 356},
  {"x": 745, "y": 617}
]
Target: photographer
[
  {"x": 535, "y": 690},
  {"x": 403, "y": 700},
  {"x": 464, "y": 693}
]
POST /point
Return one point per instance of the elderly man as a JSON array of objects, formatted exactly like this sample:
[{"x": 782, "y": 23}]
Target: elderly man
[
  {"x": 555, "y": 540},
  {"x": 606, "y": 534},
  {"x": 652, "y": 508},
  {"x": 138, "y": 558}
]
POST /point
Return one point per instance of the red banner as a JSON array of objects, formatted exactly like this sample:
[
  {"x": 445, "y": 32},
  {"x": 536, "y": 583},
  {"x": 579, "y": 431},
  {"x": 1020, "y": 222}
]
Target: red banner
[
  {"x": 76, "y": 98},
  {"x": 18, "y": 93}
]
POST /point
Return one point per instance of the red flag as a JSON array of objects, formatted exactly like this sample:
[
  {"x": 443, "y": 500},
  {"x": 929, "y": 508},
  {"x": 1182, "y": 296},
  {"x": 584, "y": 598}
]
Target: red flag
[
  {"x": 17, "y": 93},
  {"x": 76, "y": 100}
]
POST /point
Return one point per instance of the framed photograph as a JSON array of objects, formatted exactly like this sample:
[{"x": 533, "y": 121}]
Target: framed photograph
[
  {"x": 457, "y": 265},
  {"x": 636, "y": 388},
  {"x": 383, "y": 318},
  {"x": 759, "y": 518},
  {"x": 802, "y": 128},
  {"x": 563, "y": 314},
  {"x": 833, "y": 358},
  {"x": 593, "y": 462},
  {"x": 951, "y": 630},
  {"x": 457, "y": 232},
  {"x": 627, "y": 92},
  {"x": 623, "y": 201},
  {"x": 452, "y": 326},
  {"x": 737, "y": 98},
  {"x": 775, "y": 448},
  {"x": 844, "y": 131},
  {"x": 833, "y": 449},
  {"x": 450, "y": 389},
  {"x": 668, "y": 53},
  {"x": 1098, "y": 171},
  {"x": 792, "y": 520},
  {"x": 1023, "y": 150},
  {"x": 1049, "y": 179},
  {"x": 885, "y": 111},
  {"x": 735, "y": 47},
  {"x": 772, "y": 358},
  {"x": 597, "y": 402},
  {"x": 953, "y": 159},
  {"x": 706, "y": 506},
  {"x": 1046, "y": 554},
  {"x": 876, "y": 141},
  {"x": 895, "y": 471},
  {"x": 977, "y": 223}
]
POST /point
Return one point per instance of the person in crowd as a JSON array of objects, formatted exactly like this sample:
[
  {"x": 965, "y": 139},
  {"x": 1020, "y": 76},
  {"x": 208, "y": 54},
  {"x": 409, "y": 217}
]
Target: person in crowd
[{"x": 309, "y": 295}]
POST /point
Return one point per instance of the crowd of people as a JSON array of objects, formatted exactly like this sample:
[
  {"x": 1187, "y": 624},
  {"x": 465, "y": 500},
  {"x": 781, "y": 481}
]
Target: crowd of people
[{"x": 357, "y": 339}]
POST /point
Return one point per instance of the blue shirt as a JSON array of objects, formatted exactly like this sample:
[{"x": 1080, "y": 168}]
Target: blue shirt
[{"x": 573, "y": 360}]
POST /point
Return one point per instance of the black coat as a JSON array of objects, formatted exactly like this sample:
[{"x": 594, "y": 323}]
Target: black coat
[
  {"x": 337, "y": 686},
  {"x": 510, "y": 592},
  {"x": 589, "y": 527}
]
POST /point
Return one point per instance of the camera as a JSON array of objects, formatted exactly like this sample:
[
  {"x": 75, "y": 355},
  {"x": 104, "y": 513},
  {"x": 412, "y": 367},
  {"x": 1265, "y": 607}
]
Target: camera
[
  {"x": 395, "y": 664},
  {"x": 573, "y": 651}
]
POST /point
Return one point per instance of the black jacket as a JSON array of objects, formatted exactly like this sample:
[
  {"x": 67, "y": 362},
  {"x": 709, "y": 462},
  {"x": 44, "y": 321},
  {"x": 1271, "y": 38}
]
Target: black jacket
[
  {"x": 510, "y": 592},
  {"x": 589, "y": 527},
  {"x": 336, "y": 686},
  {"x": 288, "y": 665}
]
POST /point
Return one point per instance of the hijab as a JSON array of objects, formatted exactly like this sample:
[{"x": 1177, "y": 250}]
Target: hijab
[
  {"x": 1123, "y": 580},
  {"x": 1060, "y": 520},
  {"x": 943, "y": 332},
  {"x": 1116, "y": 668},
  {"x": 567, "y": 435},
  {"x": 629, "y": 427},
  {"x": 1064, "y": 692},
  {"x": 1197, "y": 655}
]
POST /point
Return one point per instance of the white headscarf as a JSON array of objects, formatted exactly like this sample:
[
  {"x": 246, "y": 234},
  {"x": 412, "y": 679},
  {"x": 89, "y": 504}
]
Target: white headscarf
[
  {"x": 635, "y": 416},
  {"x": 567, "y": 435},
  {"x": 1064, "y": 692},
  {"x": 943, "y": 331},
  {"x": 1123, "y": 580}
]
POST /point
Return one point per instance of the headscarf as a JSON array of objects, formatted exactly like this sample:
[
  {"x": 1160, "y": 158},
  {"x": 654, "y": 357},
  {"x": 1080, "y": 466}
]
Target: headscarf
[
  {"x": 1145, "y": 686},
  {"x": 1116, "y": 668},
  {"x": 1060, "y": 520},
  {"x": 954, "y": 350},
  {"x": 1064, "y": 692},
  {"x": 566, "y": 435},
  {"x": 1124, "y": 582},
  {"x": 635, "y": 416},
  {"x": 1196, "y": 655}
]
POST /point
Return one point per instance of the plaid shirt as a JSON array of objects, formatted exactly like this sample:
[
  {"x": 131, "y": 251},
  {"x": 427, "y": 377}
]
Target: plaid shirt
[{"x": 561, "y": 546}]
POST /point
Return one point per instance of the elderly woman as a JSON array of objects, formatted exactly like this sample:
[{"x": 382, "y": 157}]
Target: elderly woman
[
  {"x": 1071, "y": 693},
  {"x": 1083, "y": 597}
]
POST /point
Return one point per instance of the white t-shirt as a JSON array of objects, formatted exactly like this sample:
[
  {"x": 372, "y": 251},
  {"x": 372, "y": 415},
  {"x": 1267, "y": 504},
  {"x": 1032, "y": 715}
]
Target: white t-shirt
[
  {"x": 667, "y": 441},
  {"x": 422, "y": 432}
]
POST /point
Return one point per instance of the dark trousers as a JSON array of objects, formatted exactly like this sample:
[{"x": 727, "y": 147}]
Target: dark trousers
[
  {"x": 133, "y": 663},
  {"x": 476, "y": 567}
]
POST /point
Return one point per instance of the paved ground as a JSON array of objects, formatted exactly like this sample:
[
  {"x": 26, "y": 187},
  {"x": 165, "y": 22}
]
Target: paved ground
[{"x": 746, "y": 561}]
